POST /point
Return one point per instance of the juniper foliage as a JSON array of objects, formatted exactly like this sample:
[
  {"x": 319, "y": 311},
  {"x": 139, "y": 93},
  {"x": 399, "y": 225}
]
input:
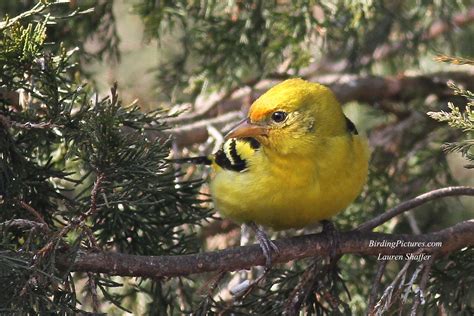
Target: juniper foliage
[
  {"x": 459, "y": 118},
  {"x": 228, "y": 44},
  {"x": 81, "y": 172}
]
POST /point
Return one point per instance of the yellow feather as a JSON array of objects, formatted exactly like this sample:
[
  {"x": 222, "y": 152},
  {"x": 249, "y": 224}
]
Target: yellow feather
[{"x": 308, "y": 168}]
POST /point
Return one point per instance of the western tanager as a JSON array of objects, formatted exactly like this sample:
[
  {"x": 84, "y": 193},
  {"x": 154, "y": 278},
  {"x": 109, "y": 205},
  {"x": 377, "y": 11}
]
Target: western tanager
[{"x": 296, "y": 160}]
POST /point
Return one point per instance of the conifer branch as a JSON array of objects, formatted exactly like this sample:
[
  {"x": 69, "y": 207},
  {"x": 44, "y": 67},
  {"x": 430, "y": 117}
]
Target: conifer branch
[
  {"x": 369, "y": 89},
  {"x": 25, "y": 224},
  {"x": 34, "y": 212},
  {"x": 438, "y": 28},
  {"x": 375, "y": 286},
  {"x": 355, "y": 242},
  {"x": 413, "y": 203}
]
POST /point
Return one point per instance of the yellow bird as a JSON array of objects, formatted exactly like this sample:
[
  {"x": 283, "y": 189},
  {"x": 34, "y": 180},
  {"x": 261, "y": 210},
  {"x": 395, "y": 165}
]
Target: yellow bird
[{"x": 296, "y": 160}]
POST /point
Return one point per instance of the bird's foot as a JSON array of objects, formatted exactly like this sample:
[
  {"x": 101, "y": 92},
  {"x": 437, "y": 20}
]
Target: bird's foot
[
  {"x": 333, "y": 237},
  {"x": 266, "y": 245}
]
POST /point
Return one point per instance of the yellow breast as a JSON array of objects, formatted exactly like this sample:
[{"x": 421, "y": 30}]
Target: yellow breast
[{"x": 292, "y": 191}]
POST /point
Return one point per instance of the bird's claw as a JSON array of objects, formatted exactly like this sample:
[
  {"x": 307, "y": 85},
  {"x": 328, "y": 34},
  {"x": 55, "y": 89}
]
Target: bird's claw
[{"x": 266, "y": 245}]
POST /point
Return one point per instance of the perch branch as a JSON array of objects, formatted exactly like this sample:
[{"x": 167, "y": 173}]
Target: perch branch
[{"x": 452, "y": 238}]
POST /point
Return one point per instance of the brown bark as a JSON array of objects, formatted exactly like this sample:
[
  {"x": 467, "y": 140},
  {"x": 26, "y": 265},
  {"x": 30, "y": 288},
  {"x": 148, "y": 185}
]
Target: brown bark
[
  {"x": 369, "y": 89},
  {"x": 355, "y": 242},
  {"x": 413, "y": 203}
]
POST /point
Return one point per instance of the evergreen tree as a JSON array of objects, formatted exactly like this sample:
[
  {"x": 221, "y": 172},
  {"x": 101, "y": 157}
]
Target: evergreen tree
[{"x": 95, "y": 217}]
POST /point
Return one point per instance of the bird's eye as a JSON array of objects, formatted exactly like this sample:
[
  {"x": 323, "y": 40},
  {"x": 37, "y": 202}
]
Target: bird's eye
[{"x": 278, "y": 116}]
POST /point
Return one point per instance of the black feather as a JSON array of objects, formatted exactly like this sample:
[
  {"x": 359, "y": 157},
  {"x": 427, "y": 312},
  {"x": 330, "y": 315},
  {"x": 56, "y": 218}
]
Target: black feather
[
  {"x": 201, "y": 160},
  {"x": 351, "y": 127},
  {"x": 252, "y": 141},
  {"x": 231, "y": 159},
  {"x": 239, "y": 163}
]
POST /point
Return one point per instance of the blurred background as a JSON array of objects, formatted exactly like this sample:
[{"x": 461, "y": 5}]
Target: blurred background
[
  {"x": 217, "y": 57},
  {"x": 203, "y": 63}
]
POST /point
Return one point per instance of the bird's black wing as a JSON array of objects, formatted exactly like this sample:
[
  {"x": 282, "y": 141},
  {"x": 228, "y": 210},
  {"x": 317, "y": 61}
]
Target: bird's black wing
[
  {"x": 229, "y": 157},
  {"x": 351, "y": 128}
]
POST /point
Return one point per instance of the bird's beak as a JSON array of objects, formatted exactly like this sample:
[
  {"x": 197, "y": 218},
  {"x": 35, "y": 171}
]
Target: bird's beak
[{"x": 246, "y": 129}]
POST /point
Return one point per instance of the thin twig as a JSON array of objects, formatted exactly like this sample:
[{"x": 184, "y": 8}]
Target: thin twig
[
  {"x": 415, "y": 202},
  {"x": 386, "y": 300},
  {"x": 29, "y": 125},
  {"x": 38, "y": 8},
  {"x": 24, "y": 224},
  {"x": 211, "y": 287},
  {"x": 420, "y": 298},
  {"x": 93, "y": 292},
  {"x": 95, "y": 191},
  {"x": 375, "y": 286},
  {"x": 35, "y": 213},
  {"x": 301, "y": 291},
  {"x": 90, "y": 236},
  {"x": 76, "y": 221}
]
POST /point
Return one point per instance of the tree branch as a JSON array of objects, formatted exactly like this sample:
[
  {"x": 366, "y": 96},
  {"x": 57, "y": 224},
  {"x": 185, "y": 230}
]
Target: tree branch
[
  {"x": 415, "y": 202},
  {"x": 207, "y": 105},
  {"x": 25, "y": 224},
  {"x": 357, "y": 241},
  {"x": 453, "y": 238},
  {"x": 34, "y": 212},
  {"x": 375, "y": 286},
  {"x": 197, "y": 132},
  {"x": 369, "y": 89},
  {"x": 436, "y": 29}
]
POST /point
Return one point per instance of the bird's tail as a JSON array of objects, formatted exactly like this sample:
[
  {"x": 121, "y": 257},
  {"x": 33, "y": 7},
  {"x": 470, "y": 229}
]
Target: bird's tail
[{"x": 201, "y": 160}]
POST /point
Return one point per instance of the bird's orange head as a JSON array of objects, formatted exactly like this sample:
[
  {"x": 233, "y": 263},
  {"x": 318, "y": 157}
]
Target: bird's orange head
[{"x": 292, "y": 116}]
